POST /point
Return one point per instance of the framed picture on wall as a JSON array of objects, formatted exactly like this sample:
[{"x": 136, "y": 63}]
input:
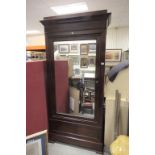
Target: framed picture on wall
[
  {"x": 63, "y": 48},
  {"x": 92, "y": 48},
  {"x": 36, "y": 144},
  {"x": 92, "y": 61},
  {"x": 126, "y": 55},
  {"x": 84, "y": 62},
  {"x": 74, "y": 48},
  {"x": 113, "y": 55},
  {"x": 75, "y": 59},
  {"x": 76, "y": 71},
  {"x": 84, "y": 49}
]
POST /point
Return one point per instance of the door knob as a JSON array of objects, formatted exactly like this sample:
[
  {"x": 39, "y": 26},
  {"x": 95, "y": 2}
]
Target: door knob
[
  {"x": 97, "y": 81},
  {"x": 102, "y": 63}
]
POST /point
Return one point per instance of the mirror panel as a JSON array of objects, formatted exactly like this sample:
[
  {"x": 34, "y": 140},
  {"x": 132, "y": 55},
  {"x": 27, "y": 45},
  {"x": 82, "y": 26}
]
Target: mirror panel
[{"x": 75, "y": 66}]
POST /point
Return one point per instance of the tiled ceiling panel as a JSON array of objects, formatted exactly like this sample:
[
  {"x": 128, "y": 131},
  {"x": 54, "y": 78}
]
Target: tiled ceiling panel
[{"x": 37, "y": 9}]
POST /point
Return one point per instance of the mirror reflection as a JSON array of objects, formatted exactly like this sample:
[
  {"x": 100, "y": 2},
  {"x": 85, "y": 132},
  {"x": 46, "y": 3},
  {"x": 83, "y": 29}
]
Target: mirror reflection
[{"x": 75, "y": 63}]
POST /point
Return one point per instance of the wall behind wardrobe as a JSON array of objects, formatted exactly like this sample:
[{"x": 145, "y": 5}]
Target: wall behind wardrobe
[
  {"x": 116, "y": 38},
  {"x": 34, "y": 40}
]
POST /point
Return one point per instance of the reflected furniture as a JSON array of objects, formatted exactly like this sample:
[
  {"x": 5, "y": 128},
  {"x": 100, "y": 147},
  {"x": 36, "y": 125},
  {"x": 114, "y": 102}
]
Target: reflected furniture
[{"x": 62, "y": 92}]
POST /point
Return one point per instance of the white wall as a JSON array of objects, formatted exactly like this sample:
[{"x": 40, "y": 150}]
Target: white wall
[
  {"x": 116, "y": 38},
  {"x": 35, "y": 40},
  {"x": 121, "y": 83}
]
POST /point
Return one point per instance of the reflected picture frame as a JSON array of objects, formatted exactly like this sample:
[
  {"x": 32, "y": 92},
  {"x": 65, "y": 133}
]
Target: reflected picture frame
[
  {"x": 84, "y": 48},
  {"x": 92, "y": 61},
  {"x": 75, "y": 59},
  {"x": 92, "y": 48},
  {"x": 77, "y": 71},
  {"x": 74, "y": 48},
  {"x": 113, "y": 55},
  {"x": 63, "y": 48},
  {"x": 84, "y": 62}
]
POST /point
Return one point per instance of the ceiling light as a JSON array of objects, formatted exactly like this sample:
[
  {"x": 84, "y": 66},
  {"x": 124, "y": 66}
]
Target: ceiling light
[
  {"x": 33, "y": 32},
  {"x": 70, "y": 8}
]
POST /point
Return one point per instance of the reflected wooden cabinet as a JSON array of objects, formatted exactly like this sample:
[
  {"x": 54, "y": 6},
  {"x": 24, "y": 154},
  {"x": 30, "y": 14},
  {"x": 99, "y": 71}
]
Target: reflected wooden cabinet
[{"x": 78, "y": 39}]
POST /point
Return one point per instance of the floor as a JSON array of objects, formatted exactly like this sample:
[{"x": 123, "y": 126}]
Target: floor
[{"x": 63, "y": 149}]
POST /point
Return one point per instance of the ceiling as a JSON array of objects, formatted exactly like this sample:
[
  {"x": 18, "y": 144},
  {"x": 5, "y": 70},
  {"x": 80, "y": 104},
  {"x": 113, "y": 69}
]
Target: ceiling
[{"x": 37, "y": 9}]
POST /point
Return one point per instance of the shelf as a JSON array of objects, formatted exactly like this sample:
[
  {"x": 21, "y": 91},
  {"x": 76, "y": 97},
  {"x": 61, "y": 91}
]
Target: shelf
[
  {"x": 92, "y": 54},
  {"x": 35, "y": 60},
  {"x": 73, "y": 54},
  {"x": 110, "y": 64},
  {"x": 35, "y": 48},
  {"x": 88, "y": 69}
]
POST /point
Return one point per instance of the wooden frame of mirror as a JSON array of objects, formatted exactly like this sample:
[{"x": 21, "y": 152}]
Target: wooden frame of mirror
[{"x": 74, "y": 130}]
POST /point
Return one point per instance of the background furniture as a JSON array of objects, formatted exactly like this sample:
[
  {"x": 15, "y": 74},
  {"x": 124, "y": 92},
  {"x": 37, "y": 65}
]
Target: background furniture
[
  {"x": 36, "y": 107},
  {"x": 62, "y": 87},
  {"x": 121, "y": 83},
  {"x": 74, "y": 95},
  {"x": 35, "y": 53}
]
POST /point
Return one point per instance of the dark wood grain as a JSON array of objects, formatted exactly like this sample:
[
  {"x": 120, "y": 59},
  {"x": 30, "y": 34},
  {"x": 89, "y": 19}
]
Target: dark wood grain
[
  {"x": 72, "y": 140},
  {"x": 80, "y": 131}
]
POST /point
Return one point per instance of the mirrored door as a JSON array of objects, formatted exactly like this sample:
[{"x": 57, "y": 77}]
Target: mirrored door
[{"x": 75, "y": 66}]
